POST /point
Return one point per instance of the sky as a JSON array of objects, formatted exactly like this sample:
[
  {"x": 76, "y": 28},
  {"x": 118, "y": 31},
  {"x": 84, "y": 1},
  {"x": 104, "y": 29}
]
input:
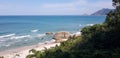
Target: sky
[{"x": 52, "y": 7}]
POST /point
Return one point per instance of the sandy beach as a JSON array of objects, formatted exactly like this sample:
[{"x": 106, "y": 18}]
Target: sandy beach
[{"x": 23, "y": 51}]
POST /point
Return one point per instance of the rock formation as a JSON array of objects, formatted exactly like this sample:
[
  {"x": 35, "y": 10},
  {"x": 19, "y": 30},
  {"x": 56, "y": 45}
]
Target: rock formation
[{"x": 61, "y": 36}]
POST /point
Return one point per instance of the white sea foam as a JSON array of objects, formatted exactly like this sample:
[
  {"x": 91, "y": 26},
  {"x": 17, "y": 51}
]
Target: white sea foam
[
  {"x": 27, "y": 36},
  {"x": 80, "y": 25},
  {"x": 26, "y": 40},
  {"x": 40, "y": 35},
  {"x": 9, "y": 35},
  {"x": 76, "y": 33},
  {"x": 19, "y": 37},
  {"x": 2, "y": 40},
  {"x": 7, "y": 45},
  {"x": 13, "y": 36},
  {"x": 35, "y": 30},
  {"x": 90, "y": 24}
]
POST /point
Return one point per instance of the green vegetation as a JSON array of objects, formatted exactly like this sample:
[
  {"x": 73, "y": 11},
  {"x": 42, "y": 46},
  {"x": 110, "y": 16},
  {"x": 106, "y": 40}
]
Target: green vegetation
[{"x": 98, "y": 41}]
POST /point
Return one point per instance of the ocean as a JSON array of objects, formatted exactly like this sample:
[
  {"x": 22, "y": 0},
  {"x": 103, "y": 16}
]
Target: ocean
[{"x": 19, "y": 31}]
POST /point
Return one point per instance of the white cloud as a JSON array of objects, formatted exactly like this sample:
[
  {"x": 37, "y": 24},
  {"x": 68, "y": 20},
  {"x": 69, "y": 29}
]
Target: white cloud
[
  {"x": 56, "y": 5},
  {"x": 70, "y": 4},
  {"x": 76, "y": 7}
]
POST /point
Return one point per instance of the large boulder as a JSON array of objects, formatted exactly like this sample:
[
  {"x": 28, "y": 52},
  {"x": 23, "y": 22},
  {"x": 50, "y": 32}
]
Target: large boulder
[{"x": 61, "y": 36}]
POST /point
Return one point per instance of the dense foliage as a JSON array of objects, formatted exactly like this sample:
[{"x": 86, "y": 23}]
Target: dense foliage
[{"x": 98, "y": 41}]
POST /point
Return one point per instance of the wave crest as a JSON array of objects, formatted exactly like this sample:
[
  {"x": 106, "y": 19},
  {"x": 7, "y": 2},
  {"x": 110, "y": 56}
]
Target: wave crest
[
  {"x": 90, "y": 24},
  {"x": 35, "y": 30},
  {"x": 18, "y": 37},
  {"x": 9, "y": 35}
]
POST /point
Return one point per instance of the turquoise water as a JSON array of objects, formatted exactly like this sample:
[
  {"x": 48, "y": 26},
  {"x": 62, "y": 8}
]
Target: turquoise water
[{"x": 18, "y": 31}]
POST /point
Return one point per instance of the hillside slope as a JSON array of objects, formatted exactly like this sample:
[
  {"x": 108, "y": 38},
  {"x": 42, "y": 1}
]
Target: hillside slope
[{"x": 103, "y": 11}]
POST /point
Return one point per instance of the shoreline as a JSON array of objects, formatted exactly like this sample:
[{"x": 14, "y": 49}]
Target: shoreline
[{"x": 24, "y": 51}]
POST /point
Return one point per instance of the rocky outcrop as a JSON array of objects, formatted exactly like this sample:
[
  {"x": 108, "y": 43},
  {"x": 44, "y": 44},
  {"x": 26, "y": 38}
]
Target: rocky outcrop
[
  {"x": 49, "y": 33},
  {"x": 61, "y": 36}
]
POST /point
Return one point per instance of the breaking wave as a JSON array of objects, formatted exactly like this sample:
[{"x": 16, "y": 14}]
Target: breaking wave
[
  {"x": 18, "y": 37},
  {"x": 9, "y": 35},
  {"x": 83, "y": 25},
  {"x": 90, "y": 24},
  {"x": 15, "y": 37},
  {"x": 35, "y": 30}
]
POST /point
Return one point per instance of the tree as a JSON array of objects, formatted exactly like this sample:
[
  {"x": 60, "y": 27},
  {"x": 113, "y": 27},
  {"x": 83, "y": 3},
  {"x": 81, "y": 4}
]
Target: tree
[
  {"x": 35, "y": 54},
  {"x": 116, "y": 4},
  {"x": 113, "y": 18}
]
